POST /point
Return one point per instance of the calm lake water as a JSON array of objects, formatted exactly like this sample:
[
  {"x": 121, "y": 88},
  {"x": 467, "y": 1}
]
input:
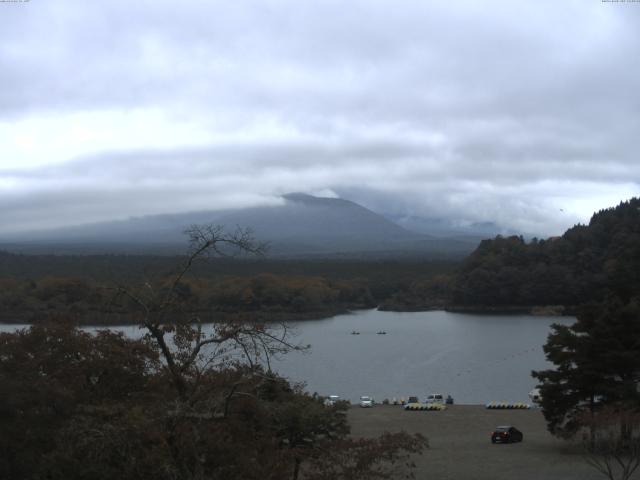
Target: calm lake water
[{"x": 475, "y": 358}]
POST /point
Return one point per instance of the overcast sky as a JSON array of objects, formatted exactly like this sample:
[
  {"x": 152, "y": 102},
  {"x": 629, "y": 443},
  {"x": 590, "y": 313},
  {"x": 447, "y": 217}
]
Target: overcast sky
[{"x": 526, "y": 113}]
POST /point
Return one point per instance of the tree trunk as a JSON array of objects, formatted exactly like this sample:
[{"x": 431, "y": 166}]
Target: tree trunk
[{"x": 296, "y": 469}]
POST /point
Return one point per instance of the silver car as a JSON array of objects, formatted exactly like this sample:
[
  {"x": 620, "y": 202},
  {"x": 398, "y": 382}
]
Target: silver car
[
  {"x": 366, "y": 402},
  {"x": 434, "y": 398}
]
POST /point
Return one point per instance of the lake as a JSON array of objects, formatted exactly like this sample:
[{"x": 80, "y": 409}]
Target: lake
[{"x": 474, "y": 358}]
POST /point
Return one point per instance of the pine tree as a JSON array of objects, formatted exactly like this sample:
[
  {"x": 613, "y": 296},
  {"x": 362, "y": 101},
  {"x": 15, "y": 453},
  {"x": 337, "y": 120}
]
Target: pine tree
[{"x": 597, "y": 362}]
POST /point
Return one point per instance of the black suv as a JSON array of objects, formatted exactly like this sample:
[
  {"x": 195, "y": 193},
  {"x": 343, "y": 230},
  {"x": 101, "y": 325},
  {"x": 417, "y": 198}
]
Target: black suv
[{"x": 506, "y": 434}]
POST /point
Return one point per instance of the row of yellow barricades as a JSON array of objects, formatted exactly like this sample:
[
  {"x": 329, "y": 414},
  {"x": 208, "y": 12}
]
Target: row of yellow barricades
[
  {"x": 508, "y": 406},
  {"x": 425, "y": 406}
]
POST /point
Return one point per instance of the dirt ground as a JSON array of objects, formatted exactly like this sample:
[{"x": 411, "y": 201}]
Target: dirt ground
[{"x": 460, "y": 447}]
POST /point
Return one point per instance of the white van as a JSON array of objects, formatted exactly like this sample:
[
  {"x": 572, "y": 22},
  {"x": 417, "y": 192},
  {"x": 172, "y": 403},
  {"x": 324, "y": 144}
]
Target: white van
[
  {"x": 331, "y": 400},
  {"x": 434, "y": 398},
  {"x": 366, "y": 401}
]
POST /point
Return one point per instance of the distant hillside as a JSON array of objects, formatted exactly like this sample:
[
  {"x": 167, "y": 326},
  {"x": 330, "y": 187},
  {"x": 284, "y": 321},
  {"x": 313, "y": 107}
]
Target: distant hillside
[
  {"x": 303, "y": 226},
  {"x": 583, "y": 265},
  {"x": 446, "y": 228}
]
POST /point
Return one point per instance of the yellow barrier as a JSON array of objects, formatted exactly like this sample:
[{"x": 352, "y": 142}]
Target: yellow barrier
[
  {"x": 508, "y": 406},
  {"x": 425, "y": 406}
]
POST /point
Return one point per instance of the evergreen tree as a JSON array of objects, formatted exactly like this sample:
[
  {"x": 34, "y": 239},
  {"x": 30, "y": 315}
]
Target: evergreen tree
[{"x": 597, "y": 362}]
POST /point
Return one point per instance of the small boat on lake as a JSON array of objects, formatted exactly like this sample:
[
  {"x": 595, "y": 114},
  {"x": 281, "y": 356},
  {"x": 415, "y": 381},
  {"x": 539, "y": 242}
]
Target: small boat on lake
[
  {"x": 355, "y": 333},
  {"x": 381, "y": 332}
]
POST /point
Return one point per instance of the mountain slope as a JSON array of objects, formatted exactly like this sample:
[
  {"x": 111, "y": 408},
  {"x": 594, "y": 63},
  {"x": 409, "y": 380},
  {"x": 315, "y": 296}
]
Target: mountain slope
[{"x": 302, "y": 225}]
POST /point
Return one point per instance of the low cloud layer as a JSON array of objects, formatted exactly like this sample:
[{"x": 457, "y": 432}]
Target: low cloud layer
[{"x": 522, "y": 113}]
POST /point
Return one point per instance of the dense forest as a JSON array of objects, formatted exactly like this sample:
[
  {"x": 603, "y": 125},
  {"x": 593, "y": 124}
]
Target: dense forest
[
  {"x": 583, "y": 265},
  {"x": 35, "y": 287}
]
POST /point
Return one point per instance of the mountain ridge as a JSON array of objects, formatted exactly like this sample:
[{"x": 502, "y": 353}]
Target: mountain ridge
[{"x": 302, "y": 225}]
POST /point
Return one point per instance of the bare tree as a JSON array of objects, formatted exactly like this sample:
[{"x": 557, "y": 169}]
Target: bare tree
[
  {"x": 612, "y": 445},
  {"x": 178, "y": 333}
]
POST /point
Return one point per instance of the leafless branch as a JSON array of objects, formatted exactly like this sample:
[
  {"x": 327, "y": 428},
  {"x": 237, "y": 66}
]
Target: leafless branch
[{"x": 613, "y": 449}]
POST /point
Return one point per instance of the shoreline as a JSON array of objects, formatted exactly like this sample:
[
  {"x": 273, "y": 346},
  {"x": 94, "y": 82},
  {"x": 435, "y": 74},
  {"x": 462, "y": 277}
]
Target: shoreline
[
  {"x": 98, "y": 319},
  {"x": 536, "y": 310}
]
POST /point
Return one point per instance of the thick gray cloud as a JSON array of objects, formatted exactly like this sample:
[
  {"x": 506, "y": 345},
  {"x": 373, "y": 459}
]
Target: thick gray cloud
[{"x": 524, "y": 113}]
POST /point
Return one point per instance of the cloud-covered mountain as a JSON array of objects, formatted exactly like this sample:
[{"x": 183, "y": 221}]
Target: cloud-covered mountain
[
  {"x": 481, "y": 111},
  {"x": 303, "y": 225}
]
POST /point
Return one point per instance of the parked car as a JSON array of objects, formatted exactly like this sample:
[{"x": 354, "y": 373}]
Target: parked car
[
  {"x": 331, "y": 400},
  {"x": 506, "y": 434},
  {"x": 434, "y": 398},
  {"x": 366, "y": 401}
]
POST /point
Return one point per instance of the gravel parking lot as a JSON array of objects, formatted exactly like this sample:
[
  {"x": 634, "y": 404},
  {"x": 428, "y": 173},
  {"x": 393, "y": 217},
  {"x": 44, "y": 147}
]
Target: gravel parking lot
[{"x": 460, "y": 445}]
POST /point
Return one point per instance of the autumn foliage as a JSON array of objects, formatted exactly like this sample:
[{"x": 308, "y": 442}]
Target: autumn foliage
[{"x": 75, "y": 405}]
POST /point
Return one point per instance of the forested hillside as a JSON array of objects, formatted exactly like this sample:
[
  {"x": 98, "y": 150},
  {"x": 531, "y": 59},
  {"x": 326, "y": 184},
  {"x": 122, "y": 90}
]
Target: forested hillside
[
  {"x": 583, "y": 265},
  {"x": 35, "y": 287}
]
